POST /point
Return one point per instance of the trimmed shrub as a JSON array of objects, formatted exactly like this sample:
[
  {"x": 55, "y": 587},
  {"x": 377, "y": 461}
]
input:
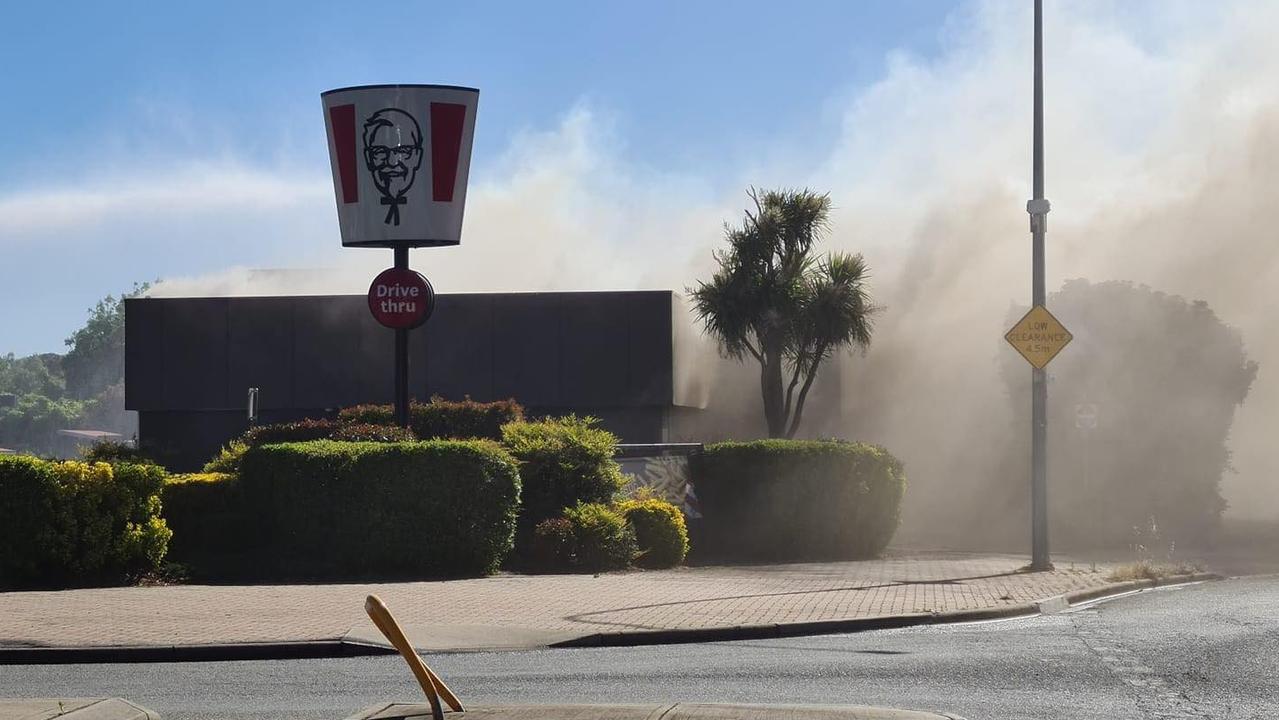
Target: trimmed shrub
[
  {"x": 300, "y": 431},
  {"x": 369, "y": 414},
  {"x": 212, "y": 533},
  {"x": 366, "y": 432},
  {"x": 75, "y": 522},
  {"x": 797, "y": 499},
  {"x": 439, "y": 418},
  {"x": 345, "y": 509},
  {"x": 660, "y": 531},
  {"x": 602, "y": 539},
  {"x": 563, "y": 462}
]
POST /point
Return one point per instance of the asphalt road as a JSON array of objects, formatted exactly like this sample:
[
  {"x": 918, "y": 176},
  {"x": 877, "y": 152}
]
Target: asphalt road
[{"x": 1207, "y": 650}]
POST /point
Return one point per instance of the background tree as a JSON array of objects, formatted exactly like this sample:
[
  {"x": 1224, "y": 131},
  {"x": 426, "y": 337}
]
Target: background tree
[
  {"x": 32, "y": 375},
  {"x": 773, "y": 300},
  {"x": 42, "y": 394},
  {"x": 32, "y": 424},
  {"x": 95, "y": 360},
  {"x": 1166, "y": 376}
]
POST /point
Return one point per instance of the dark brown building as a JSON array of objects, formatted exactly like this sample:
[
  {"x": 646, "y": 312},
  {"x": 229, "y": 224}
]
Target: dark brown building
[{"x": 190, "y": 361}]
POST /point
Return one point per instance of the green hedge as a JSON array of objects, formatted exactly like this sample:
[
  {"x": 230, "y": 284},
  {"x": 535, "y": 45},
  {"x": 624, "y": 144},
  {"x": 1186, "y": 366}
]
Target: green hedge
[
  {"x": 440, "y": 418},
  {"x": 228, "y": 458},
  {"x": 73, "y": 522},
  {"x": 797, "y": 500},
  {"x": 344, "y": 509},
  {"x": 563, "y": 462},
  {"x": 212, "y": 532}
]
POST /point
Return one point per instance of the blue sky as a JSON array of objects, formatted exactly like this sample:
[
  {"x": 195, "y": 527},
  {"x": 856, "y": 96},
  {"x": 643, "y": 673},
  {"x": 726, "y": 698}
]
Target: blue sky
[
  {"x": 100, "y": 94},
  {"x": 684, "y": 79}
]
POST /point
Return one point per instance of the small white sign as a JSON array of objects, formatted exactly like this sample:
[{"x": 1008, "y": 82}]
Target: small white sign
[
  {"x": 1086, "y": 416},
  {"x": 400, "y": 156}
]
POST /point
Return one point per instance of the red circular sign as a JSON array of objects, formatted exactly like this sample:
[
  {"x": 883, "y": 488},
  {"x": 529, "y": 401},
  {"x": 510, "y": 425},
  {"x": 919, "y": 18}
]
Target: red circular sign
[{"x": 401, "y": 298}]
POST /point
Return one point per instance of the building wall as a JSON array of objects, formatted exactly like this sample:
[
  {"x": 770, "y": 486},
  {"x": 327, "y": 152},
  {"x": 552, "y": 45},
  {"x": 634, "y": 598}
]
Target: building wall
[{"x": 190, "y": 361}]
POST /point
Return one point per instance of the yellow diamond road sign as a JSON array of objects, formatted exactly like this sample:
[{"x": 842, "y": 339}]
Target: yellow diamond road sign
[{"x": 1038, "y": 336}]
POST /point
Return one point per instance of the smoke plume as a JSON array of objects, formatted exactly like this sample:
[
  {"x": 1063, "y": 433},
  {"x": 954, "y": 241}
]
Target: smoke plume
[{"x": 1162, "y": 145}]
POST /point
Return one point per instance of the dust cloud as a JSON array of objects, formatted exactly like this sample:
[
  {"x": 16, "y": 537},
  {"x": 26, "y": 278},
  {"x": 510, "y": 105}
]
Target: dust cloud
[
  {"x": 1162, "y": 168},
  {"x": 1162, "y": 163}
]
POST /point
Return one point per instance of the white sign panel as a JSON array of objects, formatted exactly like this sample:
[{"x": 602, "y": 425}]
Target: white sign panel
[
  {"x": 1086, "y": 416},
  {"x": 400, "y": 156}
]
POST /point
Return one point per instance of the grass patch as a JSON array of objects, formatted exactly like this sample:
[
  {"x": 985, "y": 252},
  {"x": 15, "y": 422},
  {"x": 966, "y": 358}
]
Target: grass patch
[{"x": 1147, "y": 570}]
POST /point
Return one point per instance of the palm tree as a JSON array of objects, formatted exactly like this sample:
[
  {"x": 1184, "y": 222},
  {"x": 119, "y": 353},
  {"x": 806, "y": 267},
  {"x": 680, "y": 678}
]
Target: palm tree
[{"x": 772, "y": 300}]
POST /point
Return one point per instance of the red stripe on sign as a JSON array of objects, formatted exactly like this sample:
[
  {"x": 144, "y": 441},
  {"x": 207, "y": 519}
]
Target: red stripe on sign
[
  {"x": 447, "y": 120},
  {"x": 342, "y": 118}
]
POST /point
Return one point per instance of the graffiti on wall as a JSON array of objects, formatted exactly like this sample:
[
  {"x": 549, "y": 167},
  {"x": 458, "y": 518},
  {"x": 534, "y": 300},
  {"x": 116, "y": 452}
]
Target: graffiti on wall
[{"x": 666, "y": 476}]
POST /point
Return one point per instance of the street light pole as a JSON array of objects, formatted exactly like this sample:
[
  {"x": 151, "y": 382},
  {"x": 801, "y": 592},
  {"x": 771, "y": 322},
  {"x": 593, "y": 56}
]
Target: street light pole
[{"x": 1038, "y": 209}]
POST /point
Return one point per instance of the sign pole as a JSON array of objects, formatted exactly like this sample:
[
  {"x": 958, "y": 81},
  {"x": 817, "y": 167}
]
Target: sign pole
[
  {"x": 1096, "y": 521},
  {"x": 1038, "y": 209},
  {"x": 402, "y": 355}
]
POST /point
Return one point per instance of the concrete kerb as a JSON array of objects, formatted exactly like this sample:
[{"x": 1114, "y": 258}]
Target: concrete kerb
[
  {"x": 351, "y": 648},
  {"x": 881, "y": 622},
  {"x": 302, "y": 650},
  {"x": 1097, "y": 593},
  {"x": 783, "y": 630}
]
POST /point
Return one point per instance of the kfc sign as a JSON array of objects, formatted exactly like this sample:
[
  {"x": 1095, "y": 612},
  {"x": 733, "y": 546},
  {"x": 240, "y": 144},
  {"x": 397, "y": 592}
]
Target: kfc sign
[
  {"x": 400, "y": 156},
  {"x": 401, "y": 299}
]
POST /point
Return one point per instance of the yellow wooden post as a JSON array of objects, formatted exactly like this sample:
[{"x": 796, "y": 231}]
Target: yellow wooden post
[{"x": 431, "y": 683}]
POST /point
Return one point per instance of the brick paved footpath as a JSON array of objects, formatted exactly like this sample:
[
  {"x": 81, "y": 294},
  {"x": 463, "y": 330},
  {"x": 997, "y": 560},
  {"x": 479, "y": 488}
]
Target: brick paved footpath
[{"x": 532, "y": 611}]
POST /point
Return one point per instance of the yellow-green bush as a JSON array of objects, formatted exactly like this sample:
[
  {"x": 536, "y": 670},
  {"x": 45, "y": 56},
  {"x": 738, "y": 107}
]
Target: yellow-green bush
[
  {"x": 67, "y": 522},
  {"x": 228, "y": 459},
  {"x": 660, "y": 531},
  {"x": 602, "y": 539},
  {"x": 114, "y": 452}
]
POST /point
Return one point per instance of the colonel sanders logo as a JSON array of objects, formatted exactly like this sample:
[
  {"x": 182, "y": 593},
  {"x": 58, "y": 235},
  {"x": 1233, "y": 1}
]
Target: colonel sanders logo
[{"x": 393, "y": 154}]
